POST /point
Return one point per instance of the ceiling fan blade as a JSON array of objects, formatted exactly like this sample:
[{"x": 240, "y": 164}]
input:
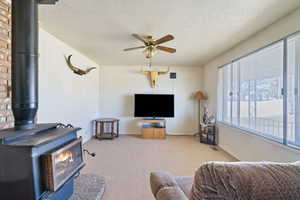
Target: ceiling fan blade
[
  {"x": 167, "y": 49},
  {"x": 141, "y": 38},
  {"x": 164, "y": 39},
  {"x": 133, "y": 48}
]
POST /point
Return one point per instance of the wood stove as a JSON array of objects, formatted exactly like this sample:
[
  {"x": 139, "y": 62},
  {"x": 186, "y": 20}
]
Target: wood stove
[
  {"x": 37, "y": 161},
  {"x": 61, "y": 164}
]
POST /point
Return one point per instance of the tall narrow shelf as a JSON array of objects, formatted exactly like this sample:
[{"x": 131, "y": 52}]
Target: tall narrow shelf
[{"x": 153, "y": 128}]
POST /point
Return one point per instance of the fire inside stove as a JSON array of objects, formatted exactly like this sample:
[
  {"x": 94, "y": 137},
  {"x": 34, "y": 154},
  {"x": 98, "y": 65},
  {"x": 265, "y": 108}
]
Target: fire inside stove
[
  {"x": 63, "y": 161},
  {"x": 61, "y": 164}
]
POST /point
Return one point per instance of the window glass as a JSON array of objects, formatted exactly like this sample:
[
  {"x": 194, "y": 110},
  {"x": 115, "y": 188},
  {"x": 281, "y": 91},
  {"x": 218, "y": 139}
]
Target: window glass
[
  {"x": 227, "y": 94},
  {"x": 220, "y": 95},
  {"x": 261, "y": 84},
  {"x": 293, "y": 62},
  {"x": 244, "y": 100},
  {"x": 235, "y": 93},
  {"x": 252, "y": 92}
]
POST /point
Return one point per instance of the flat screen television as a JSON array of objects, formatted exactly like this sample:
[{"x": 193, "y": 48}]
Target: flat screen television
[{"x": 154, "y": 105}]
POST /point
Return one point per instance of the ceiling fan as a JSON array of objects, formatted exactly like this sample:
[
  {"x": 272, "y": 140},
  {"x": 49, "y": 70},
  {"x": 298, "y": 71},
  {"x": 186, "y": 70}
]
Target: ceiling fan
[{"x": 151, "y": 46}]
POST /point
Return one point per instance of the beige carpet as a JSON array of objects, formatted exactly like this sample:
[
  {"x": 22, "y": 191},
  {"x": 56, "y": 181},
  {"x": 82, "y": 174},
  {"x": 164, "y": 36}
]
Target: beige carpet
[{"x": 126, "y": 162}]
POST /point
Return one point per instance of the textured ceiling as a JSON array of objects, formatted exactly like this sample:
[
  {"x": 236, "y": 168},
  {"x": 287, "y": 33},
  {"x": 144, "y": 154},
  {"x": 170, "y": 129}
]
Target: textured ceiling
[{"x": 101, "y": 29}]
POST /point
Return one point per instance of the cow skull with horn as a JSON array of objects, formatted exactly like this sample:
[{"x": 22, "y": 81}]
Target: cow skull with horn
[
  {"x": 154, "y": 75},
  {"x": 75, "y": 69}
]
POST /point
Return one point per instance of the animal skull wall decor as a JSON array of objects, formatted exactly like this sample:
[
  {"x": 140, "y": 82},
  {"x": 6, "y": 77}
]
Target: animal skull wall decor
[
  {"x": 77, "y": 70},
  {"x": 154, "y": 76}
]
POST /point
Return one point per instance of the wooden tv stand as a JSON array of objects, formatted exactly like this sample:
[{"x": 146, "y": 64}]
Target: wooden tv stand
[{"x": 153, "y": 128}]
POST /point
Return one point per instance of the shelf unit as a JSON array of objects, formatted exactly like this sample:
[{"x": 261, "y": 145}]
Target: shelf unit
[{"x": 153, "y": 128}]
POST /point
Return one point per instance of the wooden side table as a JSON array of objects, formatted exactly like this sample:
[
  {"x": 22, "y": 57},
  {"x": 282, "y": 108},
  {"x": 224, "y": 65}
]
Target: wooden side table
[
  {"x": 112, "y": 124},
  {"x": 208, "y": 134}
]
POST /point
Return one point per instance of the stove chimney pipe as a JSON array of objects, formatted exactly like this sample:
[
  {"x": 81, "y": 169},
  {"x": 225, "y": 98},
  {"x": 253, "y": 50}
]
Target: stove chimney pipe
[{"x": 24, "y": 62}]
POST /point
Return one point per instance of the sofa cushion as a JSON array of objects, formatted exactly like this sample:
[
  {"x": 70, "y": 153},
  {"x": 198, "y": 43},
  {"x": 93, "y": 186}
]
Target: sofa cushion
[{"x": 241, "y": 180}]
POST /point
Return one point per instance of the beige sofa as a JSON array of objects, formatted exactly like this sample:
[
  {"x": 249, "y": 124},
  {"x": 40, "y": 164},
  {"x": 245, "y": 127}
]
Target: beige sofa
[{"x": 230, "y": 181}]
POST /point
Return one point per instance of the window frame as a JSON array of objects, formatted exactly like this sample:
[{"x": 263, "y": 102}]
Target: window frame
[{"x": 284, "y": 94}]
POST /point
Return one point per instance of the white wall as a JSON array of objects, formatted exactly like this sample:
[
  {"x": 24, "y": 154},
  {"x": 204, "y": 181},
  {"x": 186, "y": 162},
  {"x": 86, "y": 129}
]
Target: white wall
[
  {"x": 64, "y": 96},
  {"x": 118, "y": 84},
  {"x": 242, "y": 145},
  {"x": 69, "y": 98}
]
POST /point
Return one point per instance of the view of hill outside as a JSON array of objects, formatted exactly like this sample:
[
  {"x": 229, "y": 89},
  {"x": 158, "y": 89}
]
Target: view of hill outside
[{"x": 250, "y": 92}]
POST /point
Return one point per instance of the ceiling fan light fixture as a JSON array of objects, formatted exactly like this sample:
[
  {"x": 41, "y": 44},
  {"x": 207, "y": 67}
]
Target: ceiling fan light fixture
[
  {"x": 152, "y": 46},
  {"x": 150, "y": 52}
]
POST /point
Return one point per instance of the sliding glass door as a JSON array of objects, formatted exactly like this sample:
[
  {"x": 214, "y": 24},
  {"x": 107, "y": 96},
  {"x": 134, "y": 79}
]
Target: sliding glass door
[
  {"x": 293, "y": 83},
  {"x": 260, "y": 92}
]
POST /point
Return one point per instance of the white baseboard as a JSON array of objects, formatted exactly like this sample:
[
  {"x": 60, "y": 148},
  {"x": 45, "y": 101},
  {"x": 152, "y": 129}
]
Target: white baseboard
[{"x": 175, "y": 134}]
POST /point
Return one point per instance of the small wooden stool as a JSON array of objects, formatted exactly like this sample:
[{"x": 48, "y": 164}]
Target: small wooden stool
[{"x": 100, "y": 128}]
